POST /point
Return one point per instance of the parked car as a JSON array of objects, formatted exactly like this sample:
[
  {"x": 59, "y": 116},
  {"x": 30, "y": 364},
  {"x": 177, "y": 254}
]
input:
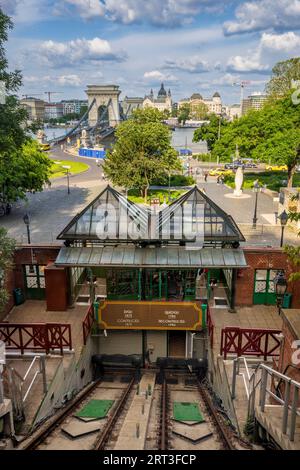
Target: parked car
[
  {"x": 234, "y": 165},
  {"x": 276, "y": 167}
]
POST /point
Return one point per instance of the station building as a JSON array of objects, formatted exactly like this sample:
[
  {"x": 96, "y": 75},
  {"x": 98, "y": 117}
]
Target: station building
[{"x": 148, "y": 276}]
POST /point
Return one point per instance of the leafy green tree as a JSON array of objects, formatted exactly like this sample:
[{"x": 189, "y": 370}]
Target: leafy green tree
[
  {"x": 283, "y": 75},
  {"x": 184, "y": 113},
  {"x": 142, "y": 152},
  {"x": 211, "y": 131},
  {"x": 269, "y": 134},
  {"x": 23, "y": 166},
  {"x": 7, "y": 246},
  {"x": 199, "y": 112}
]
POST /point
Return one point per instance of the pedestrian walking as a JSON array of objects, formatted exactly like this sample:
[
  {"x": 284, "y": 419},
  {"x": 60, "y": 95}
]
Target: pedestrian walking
[{"x": 205, "y": 176}]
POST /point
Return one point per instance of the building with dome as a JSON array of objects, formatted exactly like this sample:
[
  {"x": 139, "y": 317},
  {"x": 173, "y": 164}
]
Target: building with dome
[
  {"x": 163, "y": 102},
  {"x": 213, "y": 104}
]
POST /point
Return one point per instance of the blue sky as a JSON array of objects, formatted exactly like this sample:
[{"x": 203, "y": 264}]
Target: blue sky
[{"x": 191, "y": 45}]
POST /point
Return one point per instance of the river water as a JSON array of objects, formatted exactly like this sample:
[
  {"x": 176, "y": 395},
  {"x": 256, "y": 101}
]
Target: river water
[{"x": 181, "y": 138}]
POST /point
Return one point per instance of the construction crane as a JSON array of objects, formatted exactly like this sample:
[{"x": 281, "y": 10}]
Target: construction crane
[
  {"x": 32, "y": 94},
  {"x": 49, "y": 93},
  {"x": 241, "y": 84}
]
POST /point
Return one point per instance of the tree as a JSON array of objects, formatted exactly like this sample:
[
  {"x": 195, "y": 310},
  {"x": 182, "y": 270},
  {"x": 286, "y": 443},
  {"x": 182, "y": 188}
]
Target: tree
[
  {"x": 142, "y": 152},
  {"x": 211, "y": 131},
  {"x": 184, "y": 113},
  {"x": 199, "y": 112},
  {"x": 283, "y": 75},
  {"x": 269, "y": 134},
  {"x": 293, "y": 252},
  {"x": 7, "y": 246},
  {"x": 23, "y": 166}
]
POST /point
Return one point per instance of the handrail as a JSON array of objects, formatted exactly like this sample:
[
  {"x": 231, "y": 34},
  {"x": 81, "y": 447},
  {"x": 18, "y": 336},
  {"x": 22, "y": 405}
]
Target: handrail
[
  {"x": 36, "y": 336},
  {"x": 249, "y": 342},
  {"x": 210, "y": 326},
  {"x": 88, "y": 323}
]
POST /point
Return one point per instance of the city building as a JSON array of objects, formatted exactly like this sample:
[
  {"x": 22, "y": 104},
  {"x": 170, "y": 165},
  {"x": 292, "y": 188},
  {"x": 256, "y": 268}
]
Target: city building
[
  {"x": 54, "y": 110},
  {"x": 234, "y": 111},
  {"x": 73, "y": 106},
  {"x": 163, "y": 102},
  {"x": 254, "y": 101},
  {"x": 213, "y": 104},
  {"x": 35, "y": 108},
  {"x": 129, "y": 104}
]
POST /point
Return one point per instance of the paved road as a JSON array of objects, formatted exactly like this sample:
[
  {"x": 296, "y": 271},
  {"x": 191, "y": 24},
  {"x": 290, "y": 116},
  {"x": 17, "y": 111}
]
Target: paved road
[{"x": 51, "y": 210}]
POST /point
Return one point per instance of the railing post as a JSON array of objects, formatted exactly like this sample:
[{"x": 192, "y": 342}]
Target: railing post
[
  {"x": 46, "y": 338},
  {"x": 263, "y": 389},
  {"x": 21, "y": 340},
  {"x": 286, "y": 406},
  {"x": 266, "y": 346},
  {"x": 239, "y": 345},
  {"x": 222, "y": 343},
  {"x": 43, "y": 372},
  {"x": 235, "y": 363},
  {"x": 294, "y": 413}
]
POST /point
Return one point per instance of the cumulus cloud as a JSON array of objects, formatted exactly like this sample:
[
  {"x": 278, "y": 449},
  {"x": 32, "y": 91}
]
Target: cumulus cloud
[
  {"x": 259, "y": 15},
  {"x": 9, "y": 6},
  {"x": 157, "y": 12},
  {"x": 78, "y": 51},
  {"x": 250, "y": 63},
  {"x": 286, "y": 42},
  {"x": 155, "y": 76},
  {"x": 192, "y": 64},
  {"x": 72, "y": 80}
]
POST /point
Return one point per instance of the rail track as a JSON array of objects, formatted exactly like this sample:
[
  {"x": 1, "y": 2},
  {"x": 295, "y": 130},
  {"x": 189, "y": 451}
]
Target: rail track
[
  {"x": 49, "y": 434},
  {"x": 172, "y": 434}
]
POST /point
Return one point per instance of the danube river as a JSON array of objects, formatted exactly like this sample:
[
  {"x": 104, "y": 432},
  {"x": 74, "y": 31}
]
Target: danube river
[{"x": 181, "y": 138}]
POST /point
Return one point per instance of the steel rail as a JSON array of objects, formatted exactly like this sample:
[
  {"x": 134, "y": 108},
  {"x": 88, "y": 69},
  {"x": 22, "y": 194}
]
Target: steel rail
[
  {"x": 106, "y": 432},
  {"x": 31, "y": 442},
  {"x": 163, "y": 438},
  {"x": 215, "y": 418}
]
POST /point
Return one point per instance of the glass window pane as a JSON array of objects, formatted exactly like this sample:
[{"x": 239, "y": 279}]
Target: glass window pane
[
  {"x": 261, "y": 274},
  {"x": 32, "y": 282},
  {"x": 260, "y": 286}
]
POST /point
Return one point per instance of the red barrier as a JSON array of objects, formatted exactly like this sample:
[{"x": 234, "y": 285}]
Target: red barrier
[
  {"x": 88, "y": 323},
  {"x": 36, "y": 336},
  {"x": 249, "y": 342},
  {"x": 210, "y": 327}
]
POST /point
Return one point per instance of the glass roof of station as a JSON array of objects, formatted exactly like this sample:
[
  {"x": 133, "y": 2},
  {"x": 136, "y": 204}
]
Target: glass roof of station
[{"x": 112, "y": 218}]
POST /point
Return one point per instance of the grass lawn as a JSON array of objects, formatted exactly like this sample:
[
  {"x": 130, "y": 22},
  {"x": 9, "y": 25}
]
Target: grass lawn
[
  {"x": 274, "y": 180},
  {"x": 76, "y": 167},
  {"x": 161, "y": 194}
]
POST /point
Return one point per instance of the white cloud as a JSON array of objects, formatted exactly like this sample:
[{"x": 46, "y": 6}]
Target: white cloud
[
  {"x": 71, "y": 80},
  {"x": 155, "y": 76},
  {"x": 259, "y": 15},
  {"x": 194, "y": 64},
  {"x": 157, "y": 12},
  {"x": 250, "y": 63},
  {"x": 77, "y": 51},
  {"x": 9, "y": 6},
  {"x": 280, "y": 42}
]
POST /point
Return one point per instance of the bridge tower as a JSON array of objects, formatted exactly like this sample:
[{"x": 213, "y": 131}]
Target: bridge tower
[{"x": 104, "y": 95}]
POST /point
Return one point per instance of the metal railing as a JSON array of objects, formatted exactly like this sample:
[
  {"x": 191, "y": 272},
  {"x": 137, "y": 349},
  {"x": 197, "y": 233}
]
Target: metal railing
[
  {"x": 210, "y": 326},
  {"x": 250, "y": 342},
  {"x": 36, "y": 336},
  {"x": 289, "y": 401}
]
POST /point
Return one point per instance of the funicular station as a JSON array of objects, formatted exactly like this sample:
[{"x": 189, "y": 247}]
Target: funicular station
[{"x": 148, "y": 275}]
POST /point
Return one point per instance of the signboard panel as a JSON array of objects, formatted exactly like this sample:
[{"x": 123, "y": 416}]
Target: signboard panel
[{"x": 121, "y": 315}]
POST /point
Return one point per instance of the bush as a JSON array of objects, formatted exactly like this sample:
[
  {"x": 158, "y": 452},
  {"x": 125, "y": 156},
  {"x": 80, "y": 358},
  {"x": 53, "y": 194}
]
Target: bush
[
  {"x": 204, "y": 157},
  {"x": 273, "y": 181}
]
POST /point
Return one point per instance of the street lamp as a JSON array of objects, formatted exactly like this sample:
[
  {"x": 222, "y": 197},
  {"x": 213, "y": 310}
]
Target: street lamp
[
  {"x": 280, "y": 284},
  {"x": 283, "y": 217},
  {"x": 67, "y": 168},
  {"x": 26, "y": 221},
  {"x": 256, "y": 188}
]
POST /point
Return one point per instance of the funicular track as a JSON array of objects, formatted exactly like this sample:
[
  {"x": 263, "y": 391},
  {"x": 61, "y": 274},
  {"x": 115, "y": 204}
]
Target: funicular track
[
  {"x": 53, "y": 425},
  {"x": 220, "y": 434}
]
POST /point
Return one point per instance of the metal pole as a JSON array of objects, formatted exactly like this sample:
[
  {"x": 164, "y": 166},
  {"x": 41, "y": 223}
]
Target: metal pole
[
  {"x": 1, "y": 386},
  {"x": 255, "y": 211},
  {"x": 234, "y": 378},
  {"x": 43, "y": 372},
  {"x": 294, "y": 414},
  {"x": 286, "y": 407},
  {"x": 282, "y": 233},
  {"x": 68, "y": 181},
  {"x": 28, "y": 234}
]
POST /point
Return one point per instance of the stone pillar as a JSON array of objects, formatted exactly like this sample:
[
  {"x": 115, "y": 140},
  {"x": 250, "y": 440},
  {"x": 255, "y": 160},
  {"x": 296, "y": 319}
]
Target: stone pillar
[{"x": 103, "y": 94}]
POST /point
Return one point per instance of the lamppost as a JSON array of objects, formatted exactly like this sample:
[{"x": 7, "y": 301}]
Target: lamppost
[
  {"x": 256, "y": 188},
  {"x": 283, "y": 217},
  {"x": 26, "y": 221},
  {"x": 67, "y": 168},
  {"x": 280, "y": 284}
]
